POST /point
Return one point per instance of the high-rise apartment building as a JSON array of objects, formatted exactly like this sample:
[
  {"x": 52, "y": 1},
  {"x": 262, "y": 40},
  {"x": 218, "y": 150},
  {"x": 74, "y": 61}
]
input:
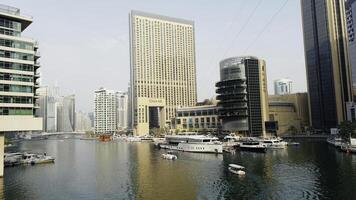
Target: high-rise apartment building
[
  {"x": 351, "y": 26},
  {"x": 283, "y": 86},
  {"x": 162, "y": 69},
  {"x": 327, "y": 61},
  {"x": 122, "y": 110},
  {"x": 105, "y": 111},
  {"x": 18, "y": 76},
  {"x": 242, "y": 94}
]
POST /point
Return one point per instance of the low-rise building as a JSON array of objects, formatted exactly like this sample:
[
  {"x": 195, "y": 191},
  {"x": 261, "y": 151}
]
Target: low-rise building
[{"x": 198, "y": 119}]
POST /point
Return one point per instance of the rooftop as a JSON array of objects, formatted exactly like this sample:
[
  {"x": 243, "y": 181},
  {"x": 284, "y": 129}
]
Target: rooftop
[{"x": 13, "y": 13}]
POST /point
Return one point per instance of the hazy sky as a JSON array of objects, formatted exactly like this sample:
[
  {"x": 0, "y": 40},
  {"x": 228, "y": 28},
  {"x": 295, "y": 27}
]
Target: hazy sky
[{"x": 84, "y": 44}]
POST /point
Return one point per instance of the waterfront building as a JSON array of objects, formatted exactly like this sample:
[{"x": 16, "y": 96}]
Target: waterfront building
[
  {"x": 282, "y": 86},
  {"x": 201, "y": 119},
  {"x": 122, "y": 110},
  {"x": 48, "y": 97},
  {"x": 82, "y": 122},
  {"x": 242, "y": 95},
  {"x": 291, "y": 111},
  {"x": 105, "y": 111},
  {"x": 66, "y": 114},
  {"x": 327, "y": 61},
  {"x": 163, "y": 71},
  {"x": 299, "y": 102},
  {"x": 351, "y": 24},
  {"x": 19, "y": 74}
]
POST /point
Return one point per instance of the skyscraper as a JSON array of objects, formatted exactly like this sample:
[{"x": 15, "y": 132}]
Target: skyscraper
[
  {"x": 122, "y": 110},
  {"x": 105, "y": 113},
  {"x": 48, "y": 97},
  {"x": 327, "y": 62},
  {"x": 351, "y": 25},
  {"x": 162, "y": 69},
  {"x": 242, "y": 94},
  {"x": 282, "y": 86},
  {"x": 18, "y": 76},
  {"x": 66, "y": 114}
]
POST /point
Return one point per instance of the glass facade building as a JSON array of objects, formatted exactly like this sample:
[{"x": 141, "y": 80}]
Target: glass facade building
[{"x": 327, "y": 62}]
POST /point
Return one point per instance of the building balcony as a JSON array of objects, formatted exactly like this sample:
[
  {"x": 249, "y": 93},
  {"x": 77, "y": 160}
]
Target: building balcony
[
  {"x": 37, "y": 65},
  {"x": 37, "y": 54}
]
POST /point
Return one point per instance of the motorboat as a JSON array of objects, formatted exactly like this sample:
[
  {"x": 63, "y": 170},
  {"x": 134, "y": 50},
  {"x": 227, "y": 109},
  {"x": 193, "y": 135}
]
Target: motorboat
[
  {"x": 255, "y": 146},
  {"x": 169, "y": 156},
  {"x": 194, "y": 143},
  {"x": 237, "y": 169},
  {"x": 274, "y": 143},
  {"x": 12, "y": 159},
  {"x": 30, "y": 158}
]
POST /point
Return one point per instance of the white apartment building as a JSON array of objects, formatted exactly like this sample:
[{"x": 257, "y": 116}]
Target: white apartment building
[
  {"x": 105, "y": 111},
  {"x": 163, "y": 71},
  {"x": 19, "y": 74}
]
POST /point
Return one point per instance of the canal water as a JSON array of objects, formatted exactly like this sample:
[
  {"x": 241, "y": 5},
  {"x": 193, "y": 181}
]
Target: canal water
[{"x": 118, "y": 170}]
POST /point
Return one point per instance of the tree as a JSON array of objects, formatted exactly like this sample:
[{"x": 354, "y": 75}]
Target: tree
[{"x": 347, "y": 129}]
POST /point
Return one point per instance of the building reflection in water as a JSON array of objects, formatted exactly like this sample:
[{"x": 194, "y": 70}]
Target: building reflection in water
[{"x": 184, "y": 178}]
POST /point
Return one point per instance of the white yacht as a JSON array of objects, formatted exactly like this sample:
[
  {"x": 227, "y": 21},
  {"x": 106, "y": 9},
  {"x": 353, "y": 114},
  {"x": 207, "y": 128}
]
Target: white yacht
[
  {"x": 335, "y": 141},
  {"x": 274, "y": 143},
  {"x": 193, "y": 143}
]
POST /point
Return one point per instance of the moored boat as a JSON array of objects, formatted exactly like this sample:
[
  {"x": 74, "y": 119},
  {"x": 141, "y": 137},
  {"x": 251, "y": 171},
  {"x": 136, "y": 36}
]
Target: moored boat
[
  {"x": 274, "y": 143},
  {"x": 193, "y": 143},
  {"x": 254, "y": 146}
]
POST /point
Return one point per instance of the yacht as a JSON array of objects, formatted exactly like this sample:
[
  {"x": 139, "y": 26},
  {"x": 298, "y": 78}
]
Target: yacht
[
  {"x": 254, "y": 146},
  {"x": 193, "y": 143},
  {"x": 335, "y": 141},
  {"x": 274, "y": 143}
]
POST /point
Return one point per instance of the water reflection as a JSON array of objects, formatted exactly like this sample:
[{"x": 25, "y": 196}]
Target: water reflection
[{"x": 118, "y": 170}]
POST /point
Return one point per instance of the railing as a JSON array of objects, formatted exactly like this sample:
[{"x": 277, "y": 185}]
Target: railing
[{"x": 12, "y": 11}]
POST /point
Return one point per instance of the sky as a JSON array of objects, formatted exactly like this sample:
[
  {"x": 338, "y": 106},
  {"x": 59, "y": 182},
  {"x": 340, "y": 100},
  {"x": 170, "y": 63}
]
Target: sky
[{"x": 84, "y": 44}]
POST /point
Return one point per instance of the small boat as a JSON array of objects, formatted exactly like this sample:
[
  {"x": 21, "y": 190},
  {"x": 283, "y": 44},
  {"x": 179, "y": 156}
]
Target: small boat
[
  {"x": 237, "y": 169},
  {"x": 254, "y": 146},
  {"x": 169, "y": 156}
]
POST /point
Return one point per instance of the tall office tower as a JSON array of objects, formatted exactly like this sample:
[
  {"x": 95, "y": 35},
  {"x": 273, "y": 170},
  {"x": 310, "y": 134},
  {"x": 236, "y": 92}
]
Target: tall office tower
[
  {"x": 351, "y": 24},
  {"x": 162, "y": 69},
  {"x": 242, "y": 94},
  {"x": 283, "y": 86},
  {"x": 66, "y": 114},
  {"x": 48, "y": 96},
  {"x": 105, "y": 113},
  {"x": 327, "y": 61},
  {"x": 18, "y": 77},
  {"x": 122, "y": 110}
]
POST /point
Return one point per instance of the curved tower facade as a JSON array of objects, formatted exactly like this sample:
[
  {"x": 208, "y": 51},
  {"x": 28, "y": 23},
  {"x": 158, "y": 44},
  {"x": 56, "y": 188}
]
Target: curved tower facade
[{"x": 242, "y": 95}]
